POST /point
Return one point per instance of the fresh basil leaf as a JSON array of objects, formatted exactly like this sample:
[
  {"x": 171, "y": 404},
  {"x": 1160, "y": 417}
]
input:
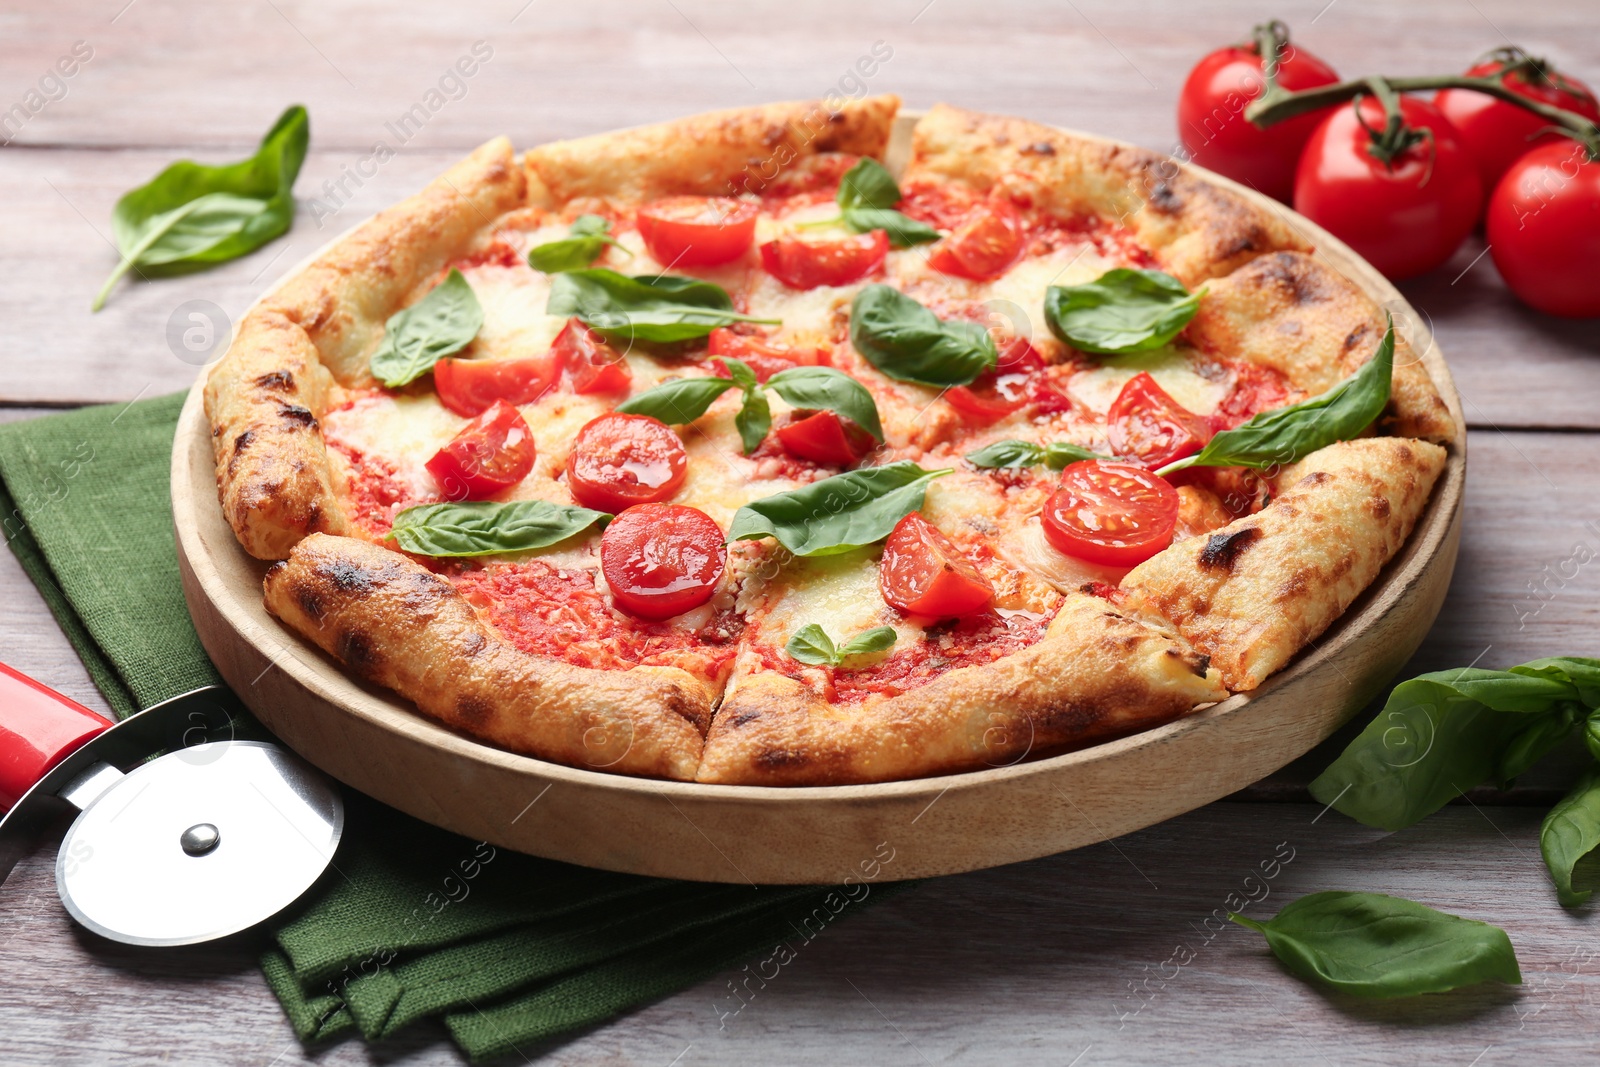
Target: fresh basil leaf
[
  {"x": 1287, "y": 435},
  {"x": 1570, "y": 832},
  {"x": 904, "y": 231},
  {"x": 660, "y": 308},
  {"x": 589, "y": 236},
  {"x": 1373, "y": 945},
  {"x": 484, "y": 528},
  {"x": 415, "y": 338},
  {"x": 192, "y": 216},
  {"x": 755, "y": 414},
  {"x": 1527, "y": 747},
  {"x": 869, "y": 641},
  {"x": 1591, "y": 734},
  {"x": 852, "y": 509},
  {"x": 811, "y": 645},
  {"x": 1013, "y": 453},
  {"x": 909, "y": 343},
  {"x": 868, "y": 184},
  {"x": 1121, "y": 311},
  {"x": 677, "y": 402},
  {"x": 1580, "y": 672},
  {"x": 826, "y": 389}
]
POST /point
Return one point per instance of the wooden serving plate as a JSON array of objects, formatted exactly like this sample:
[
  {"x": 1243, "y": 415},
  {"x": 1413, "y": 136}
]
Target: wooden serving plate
[{"x": 379, "y": 744}]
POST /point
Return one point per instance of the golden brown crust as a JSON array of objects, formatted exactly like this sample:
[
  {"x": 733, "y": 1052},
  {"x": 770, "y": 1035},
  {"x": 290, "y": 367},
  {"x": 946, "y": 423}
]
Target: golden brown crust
[
  {"x": 1255, "y": 592},
  {"x": 1195, "y": 229},
  {"x": 394, "y": 623},
  {"x": 1095, "y": 674},
  {"x": 1298, "y": 315},
  {"x": 722, "y": 153}
]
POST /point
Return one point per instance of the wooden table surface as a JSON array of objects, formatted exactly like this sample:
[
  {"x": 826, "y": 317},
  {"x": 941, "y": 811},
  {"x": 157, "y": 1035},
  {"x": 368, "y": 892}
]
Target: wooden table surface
[{"x": 1061, "y": 961}]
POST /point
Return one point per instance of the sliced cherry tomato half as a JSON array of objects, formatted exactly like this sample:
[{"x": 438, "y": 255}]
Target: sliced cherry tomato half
[
  {"x": 924, "y": 574},
  {"x": 1111, "y": 513},
  {"x": 763, "y": 357},
  {"x": 983, "y": 247},
  {"x": 697, "y": 231},
  {"x": 592, "y": 365},
  {"x": 492, "y": 452},
  {"x": 662, "y": 560},
  {"x": 803, "y": 263},
  {"x": 1146, "y": 424},
  {"x": 1006, "y": 389},
  {"x": 1256, "y": 388},
  {"x": 469, "y": 387},
  {"x": 824, "y": 437},
  {"x": 622, "y": 460}
]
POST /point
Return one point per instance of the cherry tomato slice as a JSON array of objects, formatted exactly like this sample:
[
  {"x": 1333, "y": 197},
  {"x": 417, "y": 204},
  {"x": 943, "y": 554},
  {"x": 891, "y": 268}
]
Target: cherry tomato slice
[
  {"x": 801, "y": 263},
  {"x": 763, "y": 357},
  {"x": 469, "y": 387},
  {"x": 622, "y": 460},
  {"x": 1146, "y": 424},
  {"x": 1111, "y": 513},
  {"x": 1256, "y": 388},
  {"x": 592, "y": 365},
  {"x": 492, "y": 452},
  {"x": 662, "y": 560},
  {"x": 823, "y": 437},
  {"x": 697, "y": 231},
  {"x": 983, "y": 247},
  {"x": 1006, "y": 389},
  {"x": 924, "y": 574}
]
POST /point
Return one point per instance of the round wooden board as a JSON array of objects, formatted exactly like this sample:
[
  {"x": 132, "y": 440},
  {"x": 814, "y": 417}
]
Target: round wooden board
[{"x": 381, "y": 745}]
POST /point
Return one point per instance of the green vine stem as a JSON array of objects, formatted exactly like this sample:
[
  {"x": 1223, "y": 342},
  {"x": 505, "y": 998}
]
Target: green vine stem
[{"x": 1270, "y": 39}]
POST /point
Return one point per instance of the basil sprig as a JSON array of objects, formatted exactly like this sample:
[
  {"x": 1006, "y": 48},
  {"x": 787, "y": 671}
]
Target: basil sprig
[
  {"x": 654, "y": 308},
  {"x": 909, "y": 343},
  {"x": 415, "y": 338},
  {"x": 1012, "y": 453},
  {"x": 1121, "y": 311},
  {"x": 812, "y": 645},
  {"x": 588, "y": 237},
  {"x": 837, "y": 514},
  {"x": 484, "y": 528},
  {"x": 192, "y": 216},
  {"x": 810, "y": 388},
  {"x": 1286, "y": 435},
  {"x": 1373, "y": 945},
  {"x": 867, "y": 197}
]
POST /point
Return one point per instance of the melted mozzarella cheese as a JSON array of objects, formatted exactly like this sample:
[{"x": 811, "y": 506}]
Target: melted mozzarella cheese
[
  {"x": 405, "y": 430},
  {"x": 839, "y": 593},
  {"x": 1028, "y": 548},
  {"x": 514, "y": 320},
  {"x": 1097, "y": 387}
]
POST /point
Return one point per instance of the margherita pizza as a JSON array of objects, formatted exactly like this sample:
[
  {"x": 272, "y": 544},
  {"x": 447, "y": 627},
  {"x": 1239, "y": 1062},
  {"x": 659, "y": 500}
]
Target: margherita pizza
[{"x": 715, "y": 451}]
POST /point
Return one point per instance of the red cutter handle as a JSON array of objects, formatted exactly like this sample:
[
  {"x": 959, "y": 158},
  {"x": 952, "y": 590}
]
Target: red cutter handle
[{"x": 38, "y": 729}]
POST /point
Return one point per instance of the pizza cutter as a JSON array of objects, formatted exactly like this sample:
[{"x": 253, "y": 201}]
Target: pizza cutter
[{"x": 182, "y": 834}]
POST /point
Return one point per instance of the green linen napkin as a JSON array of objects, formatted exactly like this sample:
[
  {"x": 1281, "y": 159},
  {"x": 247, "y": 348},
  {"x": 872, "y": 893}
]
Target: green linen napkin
[{"x": 410, "y": 921}]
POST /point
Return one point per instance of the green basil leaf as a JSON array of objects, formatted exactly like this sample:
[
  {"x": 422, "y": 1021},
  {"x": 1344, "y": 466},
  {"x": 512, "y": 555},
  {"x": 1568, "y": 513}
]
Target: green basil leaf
[
  {"x": 868, "y": 184},
  {"x": 589, "y": 236},
  {"x": 484, "y": 528},
  {"x": 1528, "y": 746},
  {"x": 415, "y": 338},
  {"x": 1287, "y": 435},
  {"x": 755, "y": 414},
  {"x": 826, "y": 389},
  {"x": 852, "y": 509},
  {"x": 1591, "y": 734},
  {"x": 1121, "y": 311},
  {"x": 1013, "y": 453},
  {"x": 909, "y": 343},
  {"x": 660, "y": 308},
  {"x": 904, "y": 231},
  {"x": 1580, "y": 672},
  {"x": 1373, "y": 945},
  {"x": 1569, "y": 833},
  {"x": 677, "y": 402},
  {"x": 192, "y": 216},
  {"x": 868, "y": 642},
  {"x": 812, "y": 645}
]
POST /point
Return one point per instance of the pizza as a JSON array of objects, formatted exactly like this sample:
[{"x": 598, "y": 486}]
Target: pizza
[{"x": 722, "y": 451}]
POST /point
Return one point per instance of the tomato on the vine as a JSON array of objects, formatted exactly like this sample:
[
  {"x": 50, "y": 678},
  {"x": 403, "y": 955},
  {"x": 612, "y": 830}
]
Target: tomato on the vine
[
  {"x": 1406, "y": 216},
  {"x": 1213, "y": 128},
  {"x": 923, "y": 573},
  {"x": 661, "y": 560},
  {"x": 1543, "y": 227},
  {"x": 1498, "y": 133}
]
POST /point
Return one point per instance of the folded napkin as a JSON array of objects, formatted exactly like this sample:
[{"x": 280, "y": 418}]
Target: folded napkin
[{"x": 410, "y": 921}]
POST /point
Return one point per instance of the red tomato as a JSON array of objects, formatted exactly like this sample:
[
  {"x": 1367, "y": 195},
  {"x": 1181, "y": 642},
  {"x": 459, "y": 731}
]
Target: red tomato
[
  {"x": 469, "y": 386},
  {"x": 824, "y": 437},
  {"x": 1498, "y": 133},
  {"x": 1543, "y": 227},
  {"x": 492, "y": 452},
  {"x": 697, "y": 231},
  {"x": 1405, "y": 219},
  {"x": 763, "y": 357},
  {"x": 1110, "y": 513},
  {"x": 1213, "y": 128},
  {"x": 924, "y": 574},
  {"x": 802, "y": 263},
  {"x": 983, "y": 247},
  {"x": 622, "y": 460},
  {"x": 1256, "y": 388},
  {"x": 662, "y": 560},
  {"x": 1146, "y": 424},
  {"x": 592, "y": 365},
  {"x": 999, "y": 392}
]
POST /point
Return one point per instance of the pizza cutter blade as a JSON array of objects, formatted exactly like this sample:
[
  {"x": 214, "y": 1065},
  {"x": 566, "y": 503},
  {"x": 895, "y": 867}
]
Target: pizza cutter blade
[{"x": 211, "y": 838}]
